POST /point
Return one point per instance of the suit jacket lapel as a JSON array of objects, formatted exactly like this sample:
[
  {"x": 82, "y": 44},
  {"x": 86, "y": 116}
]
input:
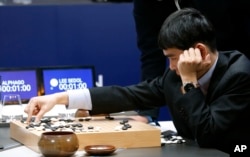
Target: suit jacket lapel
[{"x": 219, "y": 71}]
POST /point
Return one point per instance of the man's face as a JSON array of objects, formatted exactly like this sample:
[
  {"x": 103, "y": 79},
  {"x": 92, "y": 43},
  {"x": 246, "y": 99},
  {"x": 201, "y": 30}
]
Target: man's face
[{"x": 173, "y": 56}]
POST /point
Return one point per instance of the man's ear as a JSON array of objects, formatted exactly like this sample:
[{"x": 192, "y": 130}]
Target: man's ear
[{"x": 203, "y": 49}]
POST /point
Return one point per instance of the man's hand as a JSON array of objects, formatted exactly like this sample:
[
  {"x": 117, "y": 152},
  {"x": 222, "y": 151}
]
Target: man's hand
[
  {"x": 140, "y": 118},
  {"x": 38, "y": 106},
  {"x": 191, "y": 64}
]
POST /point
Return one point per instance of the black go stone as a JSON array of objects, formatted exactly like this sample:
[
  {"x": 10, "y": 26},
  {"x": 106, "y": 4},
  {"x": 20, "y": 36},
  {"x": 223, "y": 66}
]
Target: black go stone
[
  {"x": 79, "y": 125},
  {"x": 128, "y": 125},
  {"x": 81, "y": 120},
  {"x": 124, "y": 128},
  {"x": 109, "y": 118},
  {"x": 67, "y": 126}
]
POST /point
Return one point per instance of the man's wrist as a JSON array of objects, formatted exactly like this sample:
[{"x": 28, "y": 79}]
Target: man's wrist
[{"x": 187, "y": 86}]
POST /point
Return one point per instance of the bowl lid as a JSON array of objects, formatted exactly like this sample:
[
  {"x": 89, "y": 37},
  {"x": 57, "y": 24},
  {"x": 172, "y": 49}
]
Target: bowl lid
[{"x": 99, "y": 149}]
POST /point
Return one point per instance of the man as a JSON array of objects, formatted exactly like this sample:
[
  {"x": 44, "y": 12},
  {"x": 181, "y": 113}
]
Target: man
[
  {"x": 231, "y": 19},
  {"x": 207, "y": 92}
]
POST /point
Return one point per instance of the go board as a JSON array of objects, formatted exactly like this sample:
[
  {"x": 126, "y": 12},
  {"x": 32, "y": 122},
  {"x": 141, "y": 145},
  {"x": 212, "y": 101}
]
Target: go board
[{"x": 117, "y": 131}]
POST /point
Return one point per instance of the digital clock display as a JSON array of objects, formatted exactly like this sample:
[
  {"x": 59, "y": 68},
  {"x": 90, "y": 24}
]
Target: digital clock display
[
  {"x": 57, "y": 80},
  {"x": 22, "y": 82}
]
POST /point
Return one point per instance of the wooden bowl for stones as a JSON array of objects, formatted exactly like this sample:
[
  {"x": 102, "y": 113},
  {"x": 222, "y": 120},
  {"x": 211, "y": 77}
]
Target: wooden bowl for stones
[{"x": 58, "y": 144}]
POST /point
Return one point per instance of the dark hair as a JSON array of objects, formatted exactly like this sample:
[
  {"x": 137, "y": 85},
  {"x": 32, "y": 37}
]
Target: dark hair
[{"x": 184, "y": 28}]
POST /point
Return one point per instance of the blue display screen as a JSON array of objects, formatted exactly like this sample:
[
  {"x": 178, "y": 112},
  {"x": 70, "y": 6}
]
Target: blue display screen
[
  {"x": 22, "y": 82},
  {"x": 57, "y": 80}
]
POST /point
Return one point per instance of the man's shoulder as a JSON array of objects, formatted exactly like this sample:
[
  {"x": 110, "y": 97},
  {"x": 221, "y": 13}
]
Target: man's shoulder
[
  {"x": 235, "y": 61},
  {"x": 234, "y": 54}
]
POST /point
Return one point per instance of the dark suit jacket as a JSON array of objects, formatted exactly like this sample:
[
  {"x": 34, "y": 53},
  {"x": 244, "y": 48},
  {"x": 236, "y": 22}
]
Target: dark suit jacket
[{"x": 216, "y": 120}]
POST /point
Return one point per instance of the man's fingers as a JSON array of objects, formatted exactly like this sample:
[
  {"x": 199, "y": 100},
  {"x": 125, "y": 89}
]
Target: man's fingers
[
  {"x": 39, "y": 115},
  {"x": 29, "y": 110},
  {"x": 197, "y": 53}
]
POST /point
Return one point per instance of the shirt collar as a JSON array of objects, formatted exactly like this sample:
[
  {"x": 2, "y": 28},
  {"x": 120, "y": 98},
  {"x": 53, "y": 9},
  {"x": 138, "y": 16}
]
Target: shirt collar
[{"x": 205, "y": 79}]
